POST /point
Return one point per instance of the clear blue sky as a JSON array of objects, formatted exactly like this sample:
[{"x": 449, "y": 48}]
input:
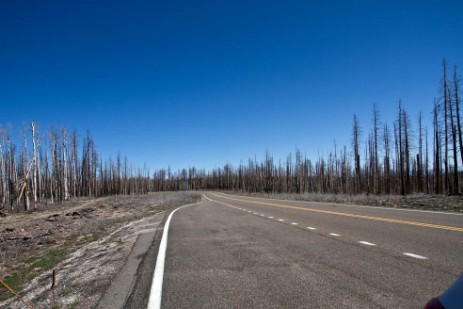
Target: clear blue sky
[{"x": 200, "y": 83}]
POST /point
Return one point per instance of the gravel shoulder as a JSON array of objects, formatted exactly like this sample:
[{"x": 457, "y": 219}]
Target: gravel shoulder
[{"x": 66, "y": 255}]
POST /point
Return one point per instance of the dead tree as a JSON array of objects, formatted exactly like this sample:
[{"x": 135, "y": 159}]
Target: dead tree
[
  {"x": 454, "y": 146},
  {"x": 356, "y": 146},
  {"x": 375, "y": 152},
  {"x": 419, "y": 156},
  {"x": 456, "y": 98},
  {"x": 387, "y": 160},
  {"x": 446, "y": 129},
  {"x": 437, "y": 150},
  {"x": 64, "y": 136},
  {"x": 34, "y": 165}
]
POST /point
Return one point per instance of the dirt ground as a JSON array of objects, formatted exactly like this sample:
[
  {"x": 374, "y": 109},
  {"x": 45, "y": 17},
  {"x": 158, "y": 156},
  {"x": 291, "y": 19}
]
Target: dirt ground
[{"x": 85, "y": 242}]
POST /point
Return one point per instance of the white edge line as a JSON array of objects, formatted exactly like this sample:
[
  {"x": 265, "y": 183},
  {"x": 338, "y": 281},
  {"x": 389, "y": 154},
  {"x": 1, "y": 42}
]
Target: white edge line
[
  {"x": 154, "y": 301},
  {"x": 348, "y": 205},
  {"x": 416, "y": 256},
  {"x": 367, "y": 243},
  {"x": 208, "y": 199}
]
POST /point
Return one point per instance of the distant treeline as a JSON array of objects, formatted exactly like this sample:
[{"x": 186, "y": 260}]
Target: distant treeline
[
  {"x": 394, "y": 158},
  {"x": 53, "y": 166}
]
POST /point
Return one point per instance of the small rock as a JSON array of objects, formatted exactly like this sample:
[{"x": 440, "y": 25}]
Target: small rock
[
  {"x": 52, "y": 218},
  {"x": 74, "y": 215}
]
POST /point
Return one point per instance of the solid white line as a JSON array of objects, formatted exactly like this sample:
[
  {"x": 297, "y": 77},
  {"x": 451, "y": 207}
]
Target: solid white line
[
  {"x": 349, "y": 205},
  {"x": 367, "y": 243},
  {"x": 294, "y": 223},
  {"x": 416, "y": 256},
  {"x": 311, "y": 228},
  {"x": 208, "y": 199},
  {"x": 335, "y": 235},
  {"x": 156, "y": 285}
]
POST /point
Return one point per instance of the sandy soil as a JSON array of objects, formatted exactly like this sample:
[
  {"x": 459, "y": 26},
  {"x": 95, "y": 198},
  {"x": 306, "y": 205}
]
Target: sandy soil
[{"x": 84, "y": 241}]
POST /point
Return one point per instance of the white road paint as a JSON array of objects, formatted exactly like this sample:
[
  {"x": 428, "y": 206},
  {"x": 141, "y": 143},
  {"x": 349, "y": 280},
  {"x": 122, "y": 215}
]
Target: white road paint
[
  {"x": 154, "y": 301},
  {"x": 416, "y": 256},
  {"x": 156, "y": 287},
  {"x": 348, "y": 205},
  {"x": 208, "y": 199},
  {"x": 366, "y": 243}
]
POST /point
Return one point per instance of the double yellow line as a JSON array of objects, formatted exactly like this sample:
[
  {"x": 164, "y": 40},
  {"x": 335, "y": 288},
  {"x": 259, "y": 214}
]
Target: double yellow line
[{"x": 329, "y": 212}]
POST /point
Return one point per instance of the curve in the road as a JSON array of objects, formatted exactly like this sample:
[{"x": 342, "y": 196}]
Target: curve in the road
[{"x": 406, "y": 222}]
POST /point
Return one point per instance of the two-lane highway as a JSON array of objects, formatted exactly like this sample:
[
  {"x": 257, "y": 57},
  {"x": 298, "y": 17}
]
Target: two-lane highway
[{"x": 239, "y": 252}]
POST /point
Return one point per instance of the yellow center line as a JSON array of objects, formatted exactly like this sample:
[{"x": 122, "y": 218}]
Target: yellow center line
[{"x": 415, "y": 223}]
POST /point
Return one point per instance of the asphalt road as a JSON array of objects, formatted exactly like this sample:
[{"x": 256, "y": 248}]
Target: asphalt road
[{"x": 237, "y": 252}]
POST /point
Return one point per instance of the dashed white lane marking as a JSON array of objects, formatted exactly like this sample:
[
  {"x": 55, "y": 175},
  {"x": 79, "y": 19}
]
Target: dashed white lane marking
[
  {"x": 270, "y": 217},
  {"x": 249, "y": 211},
  {"x": 262, "y": 215},
  {"x": 367, "y": 243},
  {"x": 294, "y": 223},
  {"x": 255, "y": 213},
  {"x": 281, "y": 220},
  {"x": 311, "y": 228},
  {"x": 416, "y": 256},
  {"x": 335, "y": 235}
]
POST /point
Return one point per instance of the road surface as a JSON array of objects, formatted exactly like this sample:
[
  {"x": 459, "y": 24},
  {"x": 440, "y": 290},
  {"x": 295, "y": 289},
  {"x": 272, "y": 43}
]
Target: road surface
[{"x": 239, "y": 252}]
